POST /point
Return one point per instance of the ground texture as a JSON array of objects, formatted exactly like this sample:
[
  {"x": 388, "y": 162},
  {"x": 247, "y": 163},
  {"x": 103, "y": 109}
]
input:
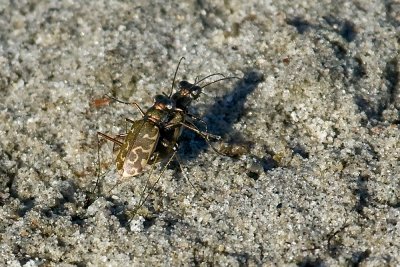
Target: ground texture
[{"x": 313, "y": 123}]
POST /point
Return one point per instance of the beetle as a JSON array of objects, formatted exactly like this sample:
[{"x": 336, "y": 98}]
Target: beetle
[
  {"x": 181, "y": 118},
  {"x": 139, "y": 143},
  {"x": 155, "y": 136}
]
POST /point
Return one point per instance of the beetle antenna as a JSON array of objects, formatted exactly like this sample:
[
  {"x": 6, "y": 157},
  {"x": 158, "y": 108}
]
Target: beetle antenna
[
  {"x": 117, "y": 100},
  {"x": 202, "y": 79},
  {"x": 225, "y": 78},
  {"x": 173, "y": 81}
]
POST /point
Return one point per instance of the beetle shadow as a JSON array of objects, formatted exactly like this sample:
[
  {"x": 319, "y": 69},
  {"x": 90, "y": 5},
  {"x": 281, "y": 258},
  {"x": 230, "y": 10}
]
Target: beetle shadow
[{"x": 221, "y": 116}]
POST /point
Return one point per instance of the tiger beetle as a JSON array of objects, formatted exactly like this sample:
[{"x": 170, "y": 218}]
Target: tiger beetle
[
  {"x": 155, "y": 136},
  {"x": 138, "y": 146},
  {"x": 182, "y": 98}
]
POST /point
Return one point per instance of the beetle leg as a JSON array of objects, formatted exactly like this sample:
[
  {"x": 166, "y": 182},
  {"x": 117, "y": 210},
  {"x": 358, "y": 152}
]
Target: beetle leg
[
  {"x": 127, "y": 103},
  {"x": 205, "y": 135},
  {"x": 149, "y": 187}
]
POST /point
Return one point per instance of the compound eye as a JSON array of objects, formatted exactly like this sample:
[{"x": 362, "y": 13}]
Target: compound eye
[
  {"x": 196, "y": 91},
  {"x": 159, "y": 98},
  {"x": 163, "y": 102},
  {"x": 184, "y": 84},
  {"x": 169, "y": 104}
]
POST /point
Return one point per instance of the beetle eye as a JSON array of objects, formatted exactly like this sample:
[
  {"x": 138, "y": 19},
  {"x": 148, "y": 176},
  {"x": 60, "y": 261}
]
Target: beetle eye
[
  {"x": 183, "y": 84},
  {"x": 196, "y": 91},
  {"x": 158, "y": 98},
  {"x": 169, "y": 104}
]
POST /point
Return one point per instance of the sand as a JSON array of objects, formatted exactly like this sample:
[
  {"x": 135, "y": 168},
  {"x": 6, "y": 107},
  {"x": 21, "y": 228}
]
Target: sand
[{"x": 313, "y": 123}]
